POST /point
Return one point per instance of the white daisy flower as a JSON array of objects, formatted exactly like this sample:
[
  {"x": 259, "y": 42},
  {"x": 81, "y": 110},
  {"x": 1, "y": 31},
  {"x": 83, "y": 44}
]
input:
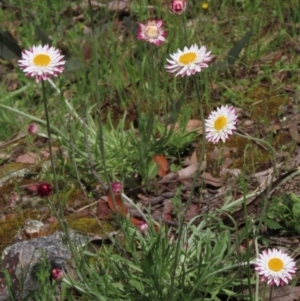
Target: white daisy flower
[
  {"x": 42, "y": 62},
  {"x": 275, "y": 267},
  {"x": 220, "y": 124},
  {"x": 189, "y": 61},
  {"x": 152, "y": 32}
]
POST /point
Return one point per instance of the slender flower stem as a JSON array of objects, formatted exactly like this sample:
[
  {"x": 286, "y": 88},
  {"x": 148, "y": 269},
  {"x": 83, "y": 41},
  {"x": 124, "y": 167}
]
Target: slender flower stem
[
  {"x": 181, "y": 221},
  {"x": 50, "y": 147},
  {"x": 152, "y": 101},
  {"x": 257, "y": 276},
  {"x": 69, "y": 106},
  {"x": 195, "y": 177}
]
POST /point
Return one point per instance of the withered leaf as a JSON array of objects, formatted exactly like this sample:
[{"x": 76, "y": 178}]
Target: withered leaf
[
  {"x": 210, "y": 180},
  {"x": 293, "y": 128}
]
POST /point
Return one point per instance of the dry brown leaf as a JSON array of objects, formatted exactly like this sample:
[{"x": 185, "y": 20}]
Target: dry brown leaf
[
  {"x": 143, "y": 197},
  {"x": 170, "y": 177},
  {"x": 31, "y": 187},
  {"x": 4, "y": 156},
  {"x": 162, "y": 164},
  {"x": 210, "y": 180},
  {"x": 235, "y": 171},
  {"x": 116, "y": 204},
  {"x": 274, "y": 128},
  {"x": 118, "y": 5},
  {"x": 103, "y": 210},
  {"x": 227, "y": 162},
  {"x": 295, "y": 161},
  {"x": 136, "y": 221},
  {"x": 293, "y": 128},
  {"x": 281, "y": 293},
  {"x": 189, "y": 171},
  {"x": 114, "y": 5},
  {"x": 191, "y": 160},
  {"x": 220, "y": 153},
  {"x": 175, "y": 128},
  {"x": 8, "y": 217},
  {"x": 167, "y": 210},
  {"x": 264, "y": 177},
  {"x": 45, "y": 153},
  {"x": 193, "y": 125},
  {"x": 193, "y": 210},
  {"x": 29, "y": 158},
  {"x": 13, "y": 199},
  {"x": 51, "y": 220},
  {"x": 84, "y": 213},
  {"x": 87, "y": 50}
]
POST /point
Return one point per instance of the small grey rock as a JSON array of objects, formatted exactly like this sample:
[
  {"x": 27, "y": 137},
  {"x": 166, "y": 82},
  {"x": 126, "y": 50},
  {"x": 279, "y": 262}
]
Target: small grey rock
[{"x": 22, "y": 259}]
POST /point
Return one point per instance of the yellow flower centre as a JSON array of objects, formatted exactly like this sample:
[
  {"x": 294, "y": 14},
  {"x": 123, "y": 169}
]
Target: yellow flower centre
[
  {"x": 188, "y": 58},
  {"x": 151, "y": 32},
  {"x": 204, "y": 5},
  {"x": 42, "y": 60},
  {"x": 275, "y": 264},
  {"x": 220, "y": 122}
]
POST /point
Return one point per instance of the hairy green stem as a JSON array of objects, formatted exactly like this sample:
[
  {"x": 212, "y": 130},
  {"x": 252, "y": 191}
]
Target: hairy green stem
[
  {"x": 181, "y": 221},
  {"x": 69, "y": 106},
  {"x": 50, "y": 149},
  {"x": 151, "y": 117}
]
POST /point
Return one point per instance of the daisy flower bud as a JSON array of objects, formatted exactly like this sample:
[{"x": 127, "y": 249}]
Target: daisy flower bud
[
  {"x": 33, "y": 129},
  {"x": 143, "y": 227},
  {"x": 178, "y": 7},
  {"x": 44, "y": 189},
  {"x": 116, "y": 187},
  {"x": 57, "y": 274}
]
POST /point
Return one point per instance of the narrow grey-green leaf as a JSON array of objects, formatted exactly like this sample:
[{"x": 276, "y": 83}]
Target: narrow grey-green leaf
[
  {"x": 234, "y": 53},
  {"x": 9, "y": 48},
  {"x": 42, "y": 36},
  {"x": 73, "y": 65}
]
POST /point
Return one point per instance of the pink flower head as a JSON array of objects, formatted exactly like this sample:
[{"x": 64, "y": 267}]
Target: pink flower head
[
  {"x": 116, "y": 187},
  {"x": 42, "y": 62},
  {"x": 178, "y": 7},
  {"x": 44, "y": 189},
  {"x": 152, "y": 32},
  {"x": 275, "y": 267},
  {"x": 143, "y": 226},
  {"x": 189, "y": 61},
  {"x": 57, "y": 274},
  {"x": 33, "y": 129},
  {"x": 220, "y": 124}
]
